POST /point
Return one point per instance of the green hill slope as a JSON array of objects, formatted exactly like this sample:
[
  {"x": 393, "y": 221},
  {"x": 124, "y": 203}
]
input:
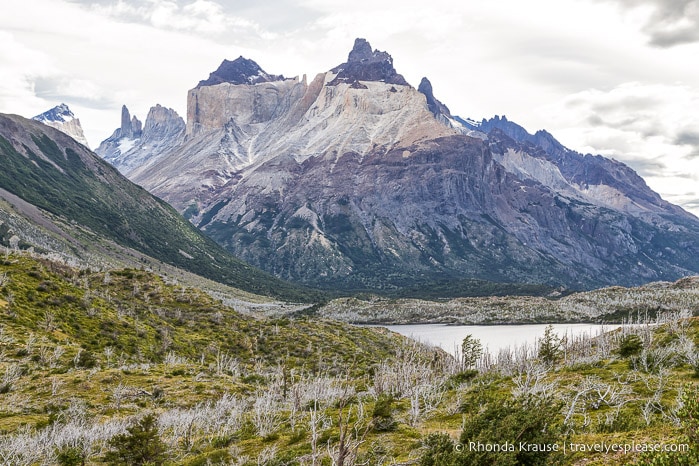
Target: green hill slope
[
  {"x": 85, "y": 355},
  {"x": 51, "y": 171}
]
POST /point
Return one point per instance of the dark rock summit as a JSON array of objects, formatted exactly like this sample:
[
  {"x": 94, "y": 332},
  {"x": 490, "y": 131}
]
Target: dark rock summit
[
  {"x": 364, "y": 65},
  {"x": 438, "y": 109},
  {"x": 239, "y": 71}
]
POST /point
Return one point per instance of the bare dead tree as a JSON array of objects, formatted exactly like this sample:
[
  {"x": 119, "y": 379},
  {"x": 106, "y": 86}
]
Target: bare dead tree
[
  {"x": 531, "y": 380},
  {"x": 352, "y": 435},
  {"x": 265, "y": 416},
  {"x": 317, "y": 422}
]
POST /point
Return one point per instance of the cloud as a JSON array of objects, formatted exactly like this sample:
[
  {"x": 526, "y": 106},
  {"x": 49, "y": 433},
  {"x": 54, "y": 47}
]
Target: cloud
[
  {"x": 669, "y": 22},
  {"x": 71, "y": 89},
  {"x": 21, "y": 66},
  {"x": 688, "y": 137},
  {"x": 692, "y": 204},
  {"x": 198, "y": 17}
]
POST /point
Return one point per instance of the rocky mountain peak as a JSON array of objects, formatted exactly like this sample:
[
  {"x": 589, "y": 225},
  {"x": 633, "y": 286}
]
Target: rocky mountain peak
[
  {"x": 161, "y": 118},
  {"x": 63, "y": 119},
  {"x": 58, "y": 113},
  {"x": 133, "y": 145},
  {"x": 239, "y": 71},
  {"x": 131, "y": 127},
  {"x": 363, "y": 64},
  {"x": 361, "y": 51},
  {"x": 370, "y": 189},
  {"x": 436, "y": 107}
]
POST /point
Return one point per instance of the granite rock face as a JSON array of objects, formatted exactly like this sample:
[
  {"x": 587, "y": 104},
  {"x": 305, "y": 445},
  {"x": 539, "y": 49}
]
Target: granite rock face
[
  {"x": 357, "y": 180},
  {"x": 61, "y": 118},
  {"x": 131, "y": 128},
  {"x": 133, "y": 147}
]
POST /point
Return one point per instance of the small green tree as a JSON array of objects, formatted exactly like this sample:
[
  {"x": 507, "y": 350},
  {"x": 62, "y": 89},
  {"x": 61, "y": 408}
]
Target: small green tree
[
  {"x": 630, "y": 345},
  {"x": 382, "y": 415},
  {"x": 440, "y": 451},
  {"x": 529, "y": 419},
  {"x": 550, "y": 346},
  {"x": 141, "y": 445},
  {"x": 471, "y": 351},
  {"x": 70, "y": 456}
]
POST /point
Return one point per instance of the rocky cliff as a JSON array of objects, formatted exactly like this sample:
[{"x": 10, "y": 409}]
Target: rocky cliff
[{"x": 357, "y": 180}]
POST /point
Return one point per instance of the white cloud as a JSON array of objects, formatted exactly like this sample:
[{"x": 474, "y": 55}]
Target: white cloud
[
  {"x": 667, "y": 23},
  {"x": 21, "y": 65},
  {"x": 201, "y": 17}
]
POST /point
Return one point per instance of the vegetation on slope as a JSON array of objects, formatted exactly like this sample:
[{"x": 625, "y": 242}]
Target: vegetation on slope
[
  {"x": 122, "y": 367},
  {"x": 613, "y": 304}
]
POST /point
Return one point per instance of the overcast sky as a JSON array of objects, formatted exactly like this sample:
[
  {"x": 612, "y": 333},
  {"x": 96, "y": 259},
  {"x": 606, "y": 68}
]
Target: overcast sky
[{"x": 612, "y": 77}]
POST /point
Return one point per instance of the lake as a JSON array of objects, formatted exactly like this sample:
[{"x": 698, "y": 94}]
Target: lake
[{"x": 492, "y": 337}]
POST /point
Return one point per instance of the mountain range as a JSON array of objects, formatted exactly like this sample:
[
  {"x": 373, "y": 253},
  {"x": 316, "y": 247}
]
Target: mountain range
[{"x": 355, "y": 180}]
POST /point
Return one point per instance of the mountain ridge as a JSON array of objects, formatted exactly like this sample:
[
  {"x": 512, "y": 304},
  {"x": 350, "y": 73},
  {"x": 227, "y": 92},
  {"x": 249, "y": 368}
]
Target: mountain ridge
[
  {"x": 53, "y": 173},
  {"x": 361, "y": 183}
]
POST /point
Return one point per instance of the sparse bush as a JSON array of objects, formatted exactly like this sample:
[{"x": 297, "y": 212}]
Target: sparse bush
[
  {"x": 527, "y": 419},
  {"x": 85, "y": 359},
  {"x": 70, "y": 456},
  {"x": 462, "y": 377},
  {"x": 440, "y": 451},
  {"x": 689, "y": 418}
]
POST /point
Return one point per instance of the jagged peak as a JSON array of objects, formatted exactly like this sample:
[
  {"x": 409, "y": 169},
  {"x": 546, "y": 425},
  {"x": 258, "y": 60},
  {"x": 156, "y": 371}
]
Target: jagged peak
[
  {"x": 63, "y": 119},
  {"x": 436, "y": 107},
  {"x": 59, "y": 113},
  {"x": 425, "y": 86},
  {"x": 239, "y": 71},
  {"x": 159, "y": 109},
  {"x": 361, "y": 51},
  {"x": 131, "y": 127},
  {"x": 363, "y": 64},
  {"x": 162, "y": 117}
]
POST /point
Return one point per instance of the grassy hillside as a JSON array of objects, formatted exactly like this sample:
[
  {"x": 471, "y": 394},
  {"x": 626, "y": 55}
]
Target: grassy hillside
[
  {"x": 114, "y": 344},
  {"x": 52, "y": 172},
  {"x": 86, "y": 357}
]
